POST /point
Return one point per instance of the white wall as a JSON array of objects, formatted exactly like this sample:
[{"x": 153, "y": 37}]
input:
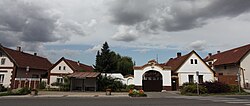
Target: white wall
[
  {"x": 129, "y": 80},
  {"x": 7, "y": 75},
  {"x": 53, "y": 79},
  {"x": 62, "y": 64},
  {"x": 190, "y": 69},
  {"x": 56, "y": 70},
  {"x": 166, "y": 75},
  {"x": 245, "y": 64}
]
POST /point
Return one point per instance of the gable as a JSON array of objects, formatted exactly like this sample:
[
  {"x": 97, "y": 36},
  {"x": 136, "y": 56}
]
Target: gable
[
  {"x": 201, "y": 66},
  {"x": 8, "y": 62},
  {"x": 61, "y": 64}
]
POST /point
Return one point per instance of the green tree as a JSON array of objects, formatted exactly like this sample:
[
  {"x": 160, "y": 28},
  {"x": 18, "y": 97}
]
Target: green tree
[
  {"x": 110, "y": 62},
  {"x": 125, "y": 65}
]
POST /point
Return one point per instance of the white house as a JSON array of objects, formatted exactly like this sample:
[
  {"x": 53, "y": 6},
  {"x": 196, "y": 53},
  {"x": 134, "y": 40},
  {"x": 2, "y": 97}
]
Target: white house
[
  {"x": 19, "y": 69},
  {"x": 81, "y": 76},
  {"x": 172, "y": 74},
  {"x": 231, "y": 64}
]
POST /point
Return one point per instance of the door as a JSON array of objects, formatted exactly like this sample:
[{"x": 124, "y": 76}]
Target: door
[{"x": 152, "y": 81}]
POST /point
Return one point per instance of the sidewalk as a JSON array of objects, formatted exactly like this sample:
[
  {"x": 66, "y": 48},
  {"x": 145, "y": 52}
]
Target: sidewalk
[{"x": 71, "y": 94}]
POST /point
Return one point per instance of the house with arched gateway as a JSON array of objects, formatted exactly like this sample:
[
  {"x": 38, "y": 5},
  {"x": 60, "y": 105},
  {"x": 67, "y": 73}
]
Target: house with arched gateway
[{"x": 155, "y": 76}]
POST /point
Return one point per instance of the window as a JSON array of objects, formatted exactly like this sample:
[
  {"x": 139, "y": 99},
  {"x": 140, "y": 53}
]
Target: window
[
  {"x": 191, "y": 78},
  {"x": 1, "y": 54},
  {"x": 210, "y": 63},
  {"x": 192, "y": 61},
  {"x": 225, "y": 67},
  {"x": 195, "y": 61},
  {"x": 59, "y": 67},
  {"x": 64, "y": 67},
  {"x": 200, "y": 78},
  {"x": 1, "y": 78},
  {"x": 59, "y": 80},
  {"x": 3, "y": 61},
  {"x": 220, "y": 73}
]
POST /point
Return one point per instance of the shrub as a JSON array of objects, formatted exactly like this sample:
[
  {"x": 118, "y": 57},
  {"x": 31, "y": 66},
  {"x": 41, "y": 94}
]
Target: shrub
[
  {"x": 2, "y": 88},
  {"x": 20, "y": 91},
  {"x": 131, "y": 86},
  {"x": 136, "y": 93},
  {"x": 42, "y": 85},
  {"x": 110, "y": 83},
  {"x": 192, "y": 88},
  {"x": 216, "y": 87}
]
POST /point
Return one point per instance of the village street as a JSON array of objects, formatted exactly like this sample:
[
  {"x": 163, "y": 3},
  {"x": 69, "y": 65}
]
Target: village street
[
  {"x": 126, "y": 101},
  {"x": 100, "y": 99}
]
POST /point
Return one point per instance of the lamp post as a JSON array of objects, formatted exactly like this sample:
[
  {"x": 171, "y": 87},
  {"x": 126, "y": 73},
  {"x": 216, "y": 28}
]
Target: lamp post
[
  {"x": 27, "y": 70},
  {"x": 238, "y": 79},
  {"x": 197, "y": 74}
]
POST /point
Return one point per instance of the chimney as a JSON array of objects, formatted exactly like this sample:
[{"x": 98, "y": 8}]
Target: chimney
[
  {"x": 209, "y": 54},
  {"x": 218, "y": 52},
  {"x": 35, "y": 54},
  {"x": 78, "y": 63},
  {"x": 178, "y": 54},
  {"x": 18, "y": 48}
]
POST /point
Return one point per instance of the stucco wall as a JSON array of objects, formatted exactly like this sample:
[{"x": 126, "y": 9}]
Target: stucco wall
[
  {"x": 56, "y": 70},
  {"x": 245, "y": 64},
  {"x": 190, "y": 69},
  {"x": 7, "y": 70},
  {"x": 62, "y": 64},
  {"x": 166, "y": 75},
  {"x": 7, "y": 77}
]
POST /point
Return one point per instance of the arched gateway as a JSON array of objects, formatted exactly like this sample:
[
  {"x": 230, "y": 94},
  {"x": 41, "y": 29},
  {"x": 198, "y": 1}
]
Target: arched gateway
[
  {"x": 152, "y": 77},
  {"x": 152, "y": 81}
]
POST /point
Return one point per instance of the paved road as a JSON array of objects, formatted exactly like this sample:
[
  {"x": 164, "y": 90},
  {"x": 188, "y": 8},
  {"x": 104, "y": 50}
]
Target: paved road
[{"x": 110, "y": 101}]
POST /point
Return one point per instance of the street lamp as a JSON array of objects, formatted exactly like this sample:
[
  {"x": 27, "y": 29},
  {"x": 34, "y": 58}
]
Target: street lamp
[
  {"x": 197, "y": 73},
  {"x": 27, "y": 70}
]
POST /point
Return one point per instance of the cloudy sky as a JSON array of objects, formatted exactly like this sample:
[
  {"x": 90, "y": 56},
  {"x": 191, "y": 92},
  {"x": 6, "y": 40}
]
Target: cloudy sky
[{"x": 141, "y": 29}]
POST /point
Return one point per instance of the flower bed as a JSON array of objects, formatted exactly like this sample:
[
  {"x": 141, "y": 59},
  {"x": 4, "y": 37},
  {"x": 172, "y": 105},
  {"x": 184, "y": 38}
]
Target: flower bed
[{"x": 136, "y": 93}]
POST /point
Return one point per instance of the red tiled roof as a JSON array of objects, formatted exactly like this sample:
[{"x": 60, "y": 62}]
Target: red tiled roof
[
  {"x": 22, "y": 60},
  {"x": 175, "y": 63},
  {"x": 79, "y": 66},
  {"x": 230, "y": 56},
  {"x": 84, "y": 74}
]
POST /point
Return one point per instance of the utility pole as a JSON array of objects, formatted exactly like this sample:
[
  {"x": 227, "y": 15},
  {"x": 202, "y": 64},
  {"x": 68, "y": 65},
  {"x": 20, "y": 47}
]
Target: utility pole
[
  {"x": 238, "y": 79},
  {"x": 197, "y": 74}
]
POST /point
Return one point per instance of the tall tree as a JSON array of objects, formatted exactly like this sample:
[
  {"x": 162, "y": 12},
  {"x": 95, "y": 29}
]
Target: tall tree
[
  {"x": 125, "y": 65},
  {"x": 110, "y": 62}
]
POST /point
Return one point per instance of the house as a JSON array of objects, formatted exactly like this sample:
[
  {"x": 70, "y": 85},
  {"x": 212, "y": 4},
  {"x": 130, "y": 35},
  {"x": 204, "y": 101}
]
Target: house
[
  {"x": 231, "y": 65},
  {"x": 81, "y": 76},
  {"x": 172, "y": 74},
  {"x": 20, "y": 69}
]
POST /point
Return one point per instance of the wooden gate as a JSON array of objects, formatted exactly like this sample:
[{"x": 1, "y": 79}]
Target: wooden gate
[{"x": 152, "y": 81}]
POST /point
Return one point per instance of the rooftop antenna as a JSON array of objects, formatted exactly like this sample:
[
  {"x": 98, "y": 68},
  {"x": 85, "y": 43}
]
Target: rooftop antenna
[{"x": 157, "y": 58}]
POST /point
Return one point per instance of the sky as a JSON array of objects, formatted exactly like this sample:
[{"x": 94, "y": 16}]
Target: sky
[{"x": 141, "y": 29}]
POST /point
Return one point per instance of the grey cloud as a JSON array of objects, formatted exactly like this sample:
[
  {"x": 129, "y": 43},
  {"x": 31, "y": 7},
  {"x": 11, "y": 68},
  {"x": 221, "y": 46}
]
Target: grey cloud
[
  {"x": 129, "y": 12},
  {"x": 126, "y": 34},
  {"x": 31, "y": 24},
  {"x": 199, "y": 45},
  {"x": 172, "y": 15}
]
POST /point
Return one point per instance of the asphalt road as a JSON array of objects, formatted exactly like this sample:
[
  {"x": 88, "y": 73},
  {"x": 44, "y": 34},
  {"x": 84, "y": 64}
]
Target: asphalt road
[{"x": 109, "y": 101}]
